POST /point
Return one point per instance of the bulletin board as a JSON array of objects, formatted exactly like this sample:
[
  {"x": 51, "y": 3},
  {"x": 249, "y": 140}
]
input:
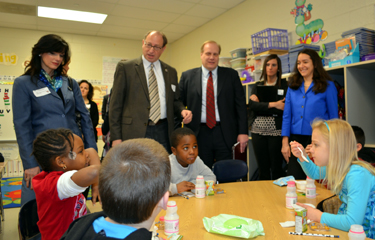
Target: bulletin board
[{"x": 7, "y": 132}]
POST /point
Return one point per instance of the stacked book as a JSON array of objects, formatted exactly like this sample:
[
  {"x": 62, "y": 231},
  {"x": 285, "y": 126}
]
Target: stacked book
[
  {"x": 364, "y": 37},
  {"x": 295, "y": 49},
  {"x": 284, "y": 63}
]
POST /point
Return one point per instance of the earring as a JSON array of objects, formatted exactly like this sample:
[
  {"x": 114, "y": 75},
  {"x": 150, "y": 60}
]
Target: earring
[
  {"x": 40, "y": 55},
  {"x": 64, "y": 167}
]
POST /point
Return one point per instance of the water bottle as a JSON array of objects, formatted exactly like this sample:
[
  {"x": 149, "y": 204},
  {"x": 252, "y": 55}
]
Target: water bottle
[
  {"x": 356, "y": 232},
  {"x": 291, "y": 195},
  {"x": 200, "y": 187},
  {"x": 171, "y": 219},
  {"x": 310, "y": 188}
]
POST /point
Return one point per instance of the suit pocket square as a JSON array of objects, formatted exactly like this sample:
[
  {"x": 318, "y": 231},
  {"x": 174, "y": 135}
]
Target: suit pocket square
[{"x": 173, "y": 87}]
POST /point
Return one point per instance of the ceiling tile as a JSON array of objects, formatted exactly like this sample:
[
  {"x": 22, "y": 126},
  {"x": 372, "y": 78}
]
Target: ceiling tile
[
  {"x": 205, "y": 11},
  {"x": 80, "y": 5},
  {"x": 176, "y": 28},
  {"x": 159, "y": 5},
  {"x": 191, "y": 1},
  {"x": 66, "y": 30},
  {"x": 146, "y": 14},
  {"x": 130, "y": 22},
  {"x": 123, "y": 30},
  {"x": 121, "y": 35},
  {"x": 49, "y": 22},
  {"x": 171, "y": 36},
  {"x": 221, "y": 3},
  {"x": 191, "y": 21},
  {"x": 17, "y": 18},
  {"x": 18, "y": 25}
]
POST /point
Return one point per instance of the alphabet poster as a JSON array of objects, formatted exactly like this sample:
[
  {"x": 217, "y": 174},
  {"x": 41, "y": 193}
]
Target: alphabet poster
[{"x": 7, "y": 132}]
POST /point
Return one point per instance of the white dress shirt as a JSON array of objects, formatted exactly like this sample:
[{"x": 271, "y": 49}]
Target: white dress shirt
[
  {"x": 205, "y": 76},
  {"x": 161, "y": 84}
]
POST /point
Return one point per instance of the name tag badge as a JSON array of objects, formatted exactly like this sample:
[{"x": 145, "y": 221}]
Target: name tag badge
[
  {"x": 173, "y": 87},
  {"x": 280, "y": 92},
  {"x": 41, "y": 92}
]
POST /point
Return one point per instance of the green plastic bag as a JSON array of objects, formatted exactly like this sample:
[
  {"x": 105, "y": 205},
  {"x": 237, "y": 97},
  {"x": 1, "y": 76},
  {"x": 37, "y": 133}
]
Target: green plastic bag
[{"x": 234, "y": 226}]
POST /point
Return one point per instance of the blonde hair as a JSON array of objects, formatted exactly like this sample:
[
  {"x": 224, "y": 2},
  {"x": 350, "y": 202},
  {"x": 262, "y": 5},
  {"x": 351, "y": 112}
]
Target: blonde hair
[{"x": 340, "y": 137}]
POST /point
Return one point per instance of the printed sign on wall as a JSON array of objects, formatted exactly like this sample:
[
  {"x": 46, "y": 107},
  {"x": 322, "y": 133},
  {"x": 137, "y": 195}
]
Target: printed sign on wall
[{"x": 8, "y": 58}]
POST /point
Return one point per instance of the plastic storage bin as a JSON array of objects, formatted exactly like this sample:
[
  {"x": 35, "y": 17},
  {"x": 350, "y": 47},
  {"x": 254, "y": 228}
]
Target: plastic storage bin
[
  {"x": 225, "y": 62},
  {"x": 270, "y": 38},
  {"x": 256, "y": 75},
  {"x": 259, "y": 60},
  {"x": 238, "y": 53},
  {"x": 238, "y": 63}
]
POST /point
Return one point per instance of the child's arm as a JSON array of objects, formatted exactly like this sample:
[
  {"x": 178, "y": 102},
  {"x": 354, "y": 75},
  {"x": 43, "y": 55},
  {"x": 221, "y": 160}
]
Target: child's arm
[
  {"x": 94, "y": 160},
  {"x": 358, "y": 183},
  {"x": 183, "y": 186},
  {"x": 86, "y": 176}
]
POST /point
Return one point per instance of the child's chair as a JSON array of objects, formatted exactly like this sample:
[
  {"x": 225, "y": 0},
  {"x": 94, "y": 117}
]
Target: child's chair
[
  {"x": 229, "y": 170},
  {"x": 27, "y": 221}
]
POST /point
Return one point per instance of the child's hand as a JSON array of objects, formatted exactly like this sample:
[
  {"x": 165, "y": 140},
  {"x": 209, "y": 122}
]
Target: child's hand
[
  {"x": 294, "y": 148},
  {"x": 308, "y": 148},
  {"x": 312, "y": 213},
  {"x": 95, "y": 193},
  {"x": 185, "y": 186}
]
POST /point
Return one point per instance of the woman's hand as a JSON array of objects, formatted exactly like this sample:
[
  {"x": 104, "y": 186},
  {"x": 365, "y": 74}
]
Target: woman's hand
[
  {"x": 254, "y": 98},
  {"x": 278, "y": 105},
  {"x": 29, "y": 174},
  {"x": 312, "y": 213},
  {"x": 285, "y": 150}
]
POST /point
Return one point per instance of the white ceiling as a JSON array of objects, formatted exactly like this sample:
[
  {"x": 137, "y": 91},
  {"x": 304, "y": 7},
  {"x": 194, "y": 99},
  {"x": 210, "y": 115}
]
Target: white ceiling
[{"x": 128, "y": 19}]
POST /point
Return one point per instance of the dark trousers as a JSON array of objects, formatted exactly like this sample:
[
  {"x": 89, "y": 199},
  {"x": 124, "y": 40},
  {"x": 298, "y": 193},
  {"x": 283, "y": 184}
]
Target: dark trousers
[
  {"x": 211, "y": 145},
  {"x": 160, "y": 134},
  {"x": 267, "y": 150},
  {"x": 294, "y": 168}
]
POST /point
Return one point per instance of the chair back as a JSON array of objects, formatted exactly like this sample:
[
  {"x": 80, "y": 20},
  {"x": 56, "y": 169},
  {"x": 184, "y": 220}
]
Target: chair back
[
  {"x": 229, "y": 170},
  {"x": 27, "y": 221}
]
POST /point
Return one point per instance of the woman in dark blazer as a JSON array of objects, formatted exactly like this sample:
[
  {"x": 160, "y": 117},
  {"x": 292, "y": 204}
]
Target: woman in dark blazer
[
  {"x": 42, "y": 99},
  {"x": 265, "y": 121},
  {"x": 87, "y": 91}
]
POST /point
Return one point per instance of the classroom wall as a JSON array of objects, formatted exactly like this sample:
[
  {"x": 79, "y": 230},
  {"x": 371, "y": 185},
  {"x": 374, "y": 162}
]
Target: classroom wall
[{"x": 234, "y": 28}]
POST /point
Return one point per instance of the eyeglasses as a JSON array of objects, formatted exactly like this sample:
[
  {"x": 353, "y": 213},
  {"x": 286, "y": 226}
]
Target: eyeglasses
[{"x": 149, "y": 46}]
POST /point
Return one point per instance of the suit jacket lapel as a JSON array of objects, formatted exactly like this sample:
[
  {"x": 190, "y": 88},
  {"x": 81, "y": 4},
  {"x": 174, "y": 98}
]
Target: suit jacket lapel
[
  {"x": 199, "y": 87},
  {"x": 167, "y": 81},
  {"x": 40, "y": 84},
  {"x": 220, "y": 80},
  {"x": 142, "y": 75}
]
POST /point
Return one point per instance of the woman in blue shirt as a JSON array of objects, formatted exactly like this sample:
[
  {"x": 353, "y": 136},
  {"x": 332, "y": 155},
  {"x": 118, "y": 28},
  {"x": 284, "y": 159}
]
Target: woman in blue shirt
[
  {"x": 311, "y": 94},
  {"x": 43, "y": 99}
]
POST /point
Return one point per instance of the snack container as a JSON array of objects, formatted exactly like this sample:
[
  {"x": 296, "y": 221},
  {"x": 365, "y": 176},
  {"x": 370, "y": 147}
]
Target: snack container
[{"x": 301, "y": 219}]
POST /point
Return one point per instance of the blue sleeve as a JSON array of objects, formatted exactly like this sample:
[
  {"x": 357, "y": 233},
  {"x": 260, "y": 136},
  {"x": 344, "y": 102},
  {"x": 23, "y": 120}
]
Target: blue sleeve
[
  {"x": 22, "y": 119},
  {"x": 359, "y": 183},
  {"x": 287, "y": 115},
  {"x": 332, "y": 104},
  {"x": 311, "y": 170},
  {"x": 86, "y": 124}
]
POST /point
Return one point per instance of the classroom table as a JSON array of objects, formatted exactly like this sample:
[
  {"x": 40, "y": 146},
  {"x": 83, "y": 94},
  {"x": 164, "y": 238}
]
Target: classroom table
[{"x": 259, "y": 200}]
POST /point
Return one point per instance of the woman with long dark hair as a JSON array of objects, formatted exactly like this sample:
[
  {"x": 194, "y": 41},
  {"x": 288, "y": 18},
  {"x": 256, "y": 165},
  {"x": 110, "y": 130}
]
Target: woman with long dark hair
[
  {"x": 43, "y": 99},
  {"x": 265, "y": 120},
  {"x": 87, "y": 91},
  {"x": 311, "y": 94}
]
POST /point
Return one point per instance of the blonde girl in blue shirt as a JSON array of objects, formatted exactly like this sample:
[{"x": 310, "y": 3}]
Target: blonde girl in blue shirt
[{"x": 334, "y": 149}]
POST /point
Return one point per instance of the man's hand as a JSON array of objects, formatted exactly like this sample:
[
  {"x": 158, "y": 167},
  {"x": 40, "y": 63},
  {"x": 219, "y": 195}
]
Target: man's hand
[
  {"x": 115, "y": 142},
  {"x": 187, "y": 116},
  {"x": 29, "y": 174},
  {"x": 184, "y": 186},
  {"x": 243, "y": 139}
]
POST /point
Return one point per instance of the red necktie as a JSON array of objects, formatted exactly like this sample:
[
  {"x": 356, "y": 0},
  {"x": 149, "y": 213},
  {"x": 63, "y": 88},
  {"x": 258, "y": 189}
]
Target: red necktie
[{"x": 210, "y": 103}]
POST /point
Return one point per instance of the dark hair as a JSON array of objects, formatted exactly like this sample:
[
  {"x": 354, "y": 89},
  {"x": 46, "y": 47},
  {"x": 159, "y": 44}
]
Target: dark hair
[
  {"x": 50, "y": 144},
  {"x": 134, "y": 176},
  {"x": 46, "y": 44},
  {"x": 178, "y": 134},
  {"x": 165, "y": 40},
  {"x": 264, "y": 71},
  {"x": 359, "y": 135},
  {"x": 90, "y": 94},
  {"x": 320, "y": 76}
]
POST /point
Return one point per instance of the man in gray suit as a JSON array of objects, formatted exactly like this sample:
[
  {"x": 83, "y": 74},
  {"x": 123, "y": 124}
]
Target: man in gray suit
[{"x": 145, "y": 96}]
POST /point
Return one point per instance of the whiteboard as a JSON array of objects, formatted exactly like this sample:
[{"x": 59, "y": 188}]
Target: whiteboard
[{"x": 7, "y": 132}]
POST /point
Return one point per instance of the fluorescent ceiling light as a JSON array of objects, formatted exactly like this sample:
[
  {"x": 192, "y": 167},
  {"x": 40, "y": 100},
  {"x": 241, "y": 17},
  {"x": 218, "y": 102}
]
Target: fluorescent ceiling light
[{"x": 72, "y": 15}]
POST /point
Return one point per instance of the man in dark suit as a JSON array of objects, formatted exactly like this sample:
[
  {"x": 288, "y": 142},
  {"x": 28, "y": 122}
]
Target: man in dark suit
[
  {"x": 216, "y": 97},
  {"x": 145, "y": 96}
]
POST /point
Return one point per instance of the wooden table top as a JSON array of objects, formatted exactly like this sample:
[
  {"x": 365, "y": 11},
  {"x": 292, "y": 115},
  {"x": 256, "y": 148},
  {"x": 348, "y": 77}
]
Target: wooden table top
[{"x": 259, "y": 200}]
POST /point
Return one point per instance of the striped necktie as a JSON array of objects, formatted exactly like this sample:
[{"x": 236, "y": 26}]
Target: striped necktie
[
  {"x": 154, "y": 96},
  {"x": 210, "y": 103}
]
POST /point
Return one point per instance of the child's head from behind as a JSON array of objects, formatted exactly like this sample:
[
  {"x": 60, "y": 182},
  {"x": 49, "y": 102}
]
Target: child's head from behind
[
  {"x": 133, "y": 180},
  {"x": 359, "y": 136},
  {"x": 59, "y": 150},
  {"x": 184, "y": 146}
]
